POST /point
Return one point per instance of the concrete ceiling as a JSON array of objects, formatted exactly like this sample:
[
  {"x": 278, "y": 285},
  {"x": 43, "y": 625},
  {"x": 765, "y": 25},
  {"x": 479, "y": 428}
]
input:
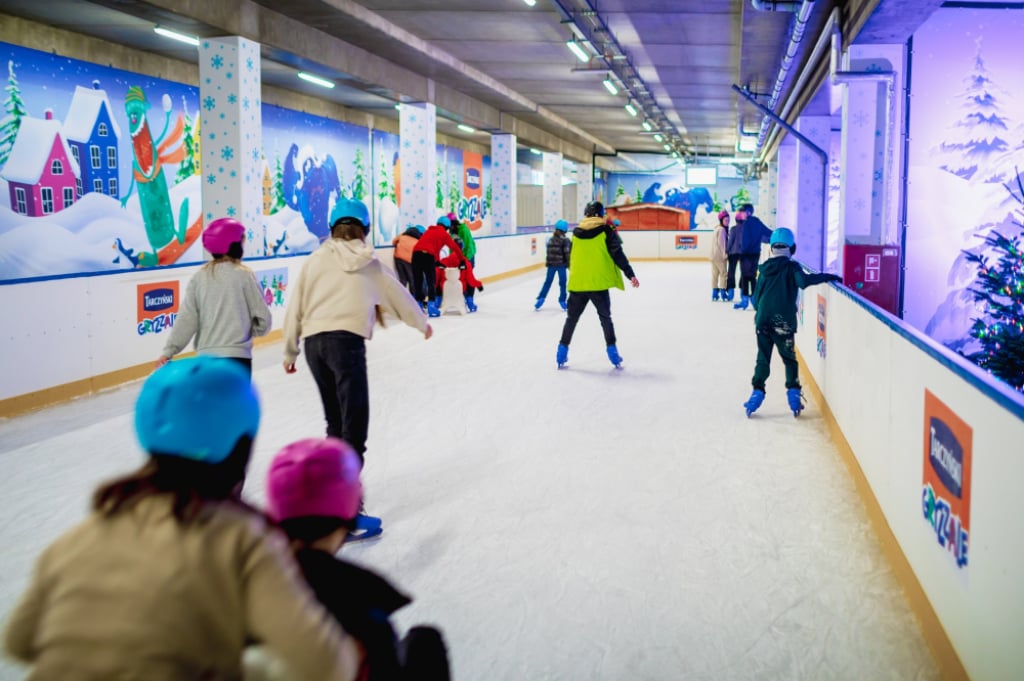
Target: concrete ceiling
[{"x": 497, "y": 64}]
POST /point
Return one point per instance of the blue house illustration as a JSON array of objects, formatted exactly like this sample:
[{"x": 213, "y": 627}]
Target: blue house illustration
[{"x": 92, "y": 134}]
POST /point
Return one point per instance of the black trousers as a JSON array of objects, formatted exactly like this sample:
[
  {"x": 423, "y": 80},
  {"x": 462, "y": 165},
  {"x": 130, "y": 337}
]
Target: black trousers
[
  {"x": 337, "y": 360},
  {"x": 405, "y": 274},
  {"x": 730, "y": 277},
  {"x": 424, "y": 276},
  {"x": 577, "y": 302},
  {"x": 777, "y": 335},
  {"x": 748, "y": 272}
]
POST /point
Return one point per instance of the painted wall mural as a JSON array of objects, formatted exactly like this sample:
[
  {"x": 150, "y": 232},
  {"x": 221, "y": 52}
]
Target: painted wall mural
[
  {"x": 701, "y": 203},
  {"x": 966, "y": 153}
]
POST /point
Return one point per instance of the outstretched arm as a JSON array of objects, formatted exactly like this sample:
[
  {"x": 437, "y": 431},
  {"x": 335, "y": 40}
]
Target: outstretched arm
[{"x": 614, "y": 245}]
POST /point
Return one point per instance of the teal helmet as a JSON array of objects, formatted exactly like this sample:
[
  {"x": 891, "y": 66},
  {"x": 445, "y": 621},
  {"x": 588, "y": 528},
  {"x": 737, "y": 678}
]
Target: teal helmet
[
  {"x": 782, "y": 236},
  {"x": 351, "y": 209},
  {"x": 562, "y": 226},
  {"x": 444, "y": 221},
  {"x": 197, "y": 408}
]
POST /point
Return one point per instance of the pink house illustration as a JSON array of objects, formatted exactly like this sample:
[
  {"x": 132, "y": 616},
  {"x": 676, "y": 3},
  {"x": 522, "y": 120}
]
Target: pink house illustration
[{"x": 40, "y": 170}]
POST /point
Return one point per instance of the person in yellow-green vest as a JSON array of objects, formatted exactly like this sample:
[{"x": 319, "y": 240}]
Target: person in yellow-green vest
[{"x": 595, "y": 263}]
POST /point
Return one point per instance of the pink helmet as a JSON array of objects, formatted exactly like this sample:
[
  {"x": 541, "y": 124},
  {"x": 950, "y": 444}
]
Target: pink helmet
[
  {"x": 221, "y": 233},
  {"x": 723, "y": 214},
  {"x": 314, "y": 477}
]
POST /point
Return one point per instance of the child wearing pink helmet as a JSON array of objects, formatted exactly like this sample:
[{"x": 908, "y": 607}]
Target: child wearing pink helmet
[
  {"x": 223, "y": 308},
  {"x": 314, "y": 493}
]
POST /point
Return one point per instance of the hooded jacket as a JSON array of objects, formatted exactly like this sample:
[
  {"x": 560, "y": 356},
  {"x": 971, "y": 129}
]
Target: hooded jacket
[
  {"x": 718, "y": 244},
  {"x": 434, "y": 239},
  {"x": 778, "y": 280},
  {"x": 558, "y": 250},
  {"x": 339, "y": 288},
  {"x": 597, "y": 257}
]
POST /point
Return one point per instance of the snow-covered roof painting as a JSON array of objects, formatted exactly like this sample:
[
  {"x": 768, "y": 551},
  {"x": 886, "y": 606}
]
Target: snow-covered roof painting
[
  {"x": 85, "y": 108},
  {"x": 31, "y": 152}
]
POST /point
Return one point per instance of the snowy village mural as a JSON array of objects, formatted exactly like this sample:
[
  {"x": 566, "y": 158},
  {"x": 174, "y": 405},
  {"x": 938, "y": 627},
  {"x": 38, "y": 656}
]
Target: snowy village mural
[
  {"x": 697, "y": 206},
  {"x": 966, "y": 153}
]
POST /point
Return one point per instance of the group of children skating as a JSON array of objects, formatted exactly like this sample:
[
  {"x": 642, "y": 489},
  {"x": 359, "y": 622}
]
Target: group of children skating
[{"x": 422, "y": 268}]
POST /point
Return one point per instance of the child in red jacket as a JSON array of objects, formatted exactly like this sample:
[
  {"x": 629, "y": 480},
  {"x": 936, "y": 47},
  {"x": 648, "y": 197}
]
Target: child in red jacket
[
  {"x": 424, "y": 259},
  {"x": 470, "y": 284}
]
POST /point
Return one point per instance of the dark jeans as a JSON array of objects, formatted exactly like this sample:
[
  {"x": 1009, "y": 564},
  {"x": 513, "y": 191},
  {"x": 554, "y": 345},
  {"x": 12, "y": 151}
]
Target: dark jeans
[
  {"x": 552, "y": 271},
  {"x": 405, "y": 274},
  {"x": 730, "y": 276},
  {"x": 424, "y": 276},
  {"x": 246, "y": 363},
  {"x": 778, "y": 335},
  {"x": 602, "y": 303},
  {"x": 748, "y": 272},
  {"x": 337, "y": 360}
]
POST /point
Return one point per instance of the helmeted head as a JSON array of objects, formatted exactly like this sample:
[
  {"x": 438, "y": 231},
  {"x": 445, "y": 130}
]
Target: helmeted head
[
  {"x": 594, "y": 209},
  {"x": 220, "y": 234},
  {"x": 316, "y": 477},
  {"x": 351, "y": 211},
  {"x": 748, "y": 209},
  {"x": 421, "y": 229},
  {"x": 561, "y": 226},
  {"x": 723, "y": 215},
  {"x": 197, "y": 408},
  {"x": 451, "y": 217},
  {"x": 782, "y": 238},
  {"x": 444, "y": 221}
]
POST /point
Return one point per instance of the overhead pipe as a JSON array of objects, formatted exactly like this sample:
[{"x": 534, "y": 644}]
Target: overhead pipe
[
  {"x": 821, "y": 153},
  {"x": 772, "y": 6},
  {"x": 795, "y": 39}
]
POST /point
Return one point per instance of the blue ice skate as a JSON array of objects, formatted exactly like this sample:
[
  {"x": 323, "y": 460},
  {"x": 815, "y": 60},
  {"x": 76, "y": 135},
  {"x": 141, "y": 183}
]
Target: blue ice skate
[
  {"x": 470, "y": 305},
  {"x": 434, "y": 308},
  {"x": 796, "y": 400},
  {"x": 367, "y": 526},
  {"x": 562, "y": 356},
  {"x": 743, "y": 304},
  {"x": 755, "y": 401},
  {"x": 614, "y": 356}
]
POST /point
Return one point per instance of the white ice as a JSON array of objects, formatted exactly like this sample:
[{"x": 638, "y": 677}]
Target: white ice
[{"x": 579, "y": 524}]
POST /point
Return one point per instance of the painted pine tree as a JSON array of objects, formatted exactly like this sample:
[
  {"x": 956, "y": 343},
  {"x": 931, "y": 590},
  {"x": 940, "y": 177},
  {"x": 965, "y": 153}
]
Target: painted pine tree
[
  {"x": 383, "y": 188},
  {"x": 14, "y": 106},
  {"x": 188, "y": 164},
  {"x": 439, "y": 188},
  {"x": 278, "y": 186},
  {"x": 359, "y": 182}
]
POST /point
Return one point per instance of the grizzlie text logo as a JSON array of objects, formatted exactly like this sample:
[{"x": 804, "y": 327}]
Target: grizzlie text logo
[
  {"x": 946, "y": 489},
  {"x": 472, "y": 178},
  {"x": 157, "y": 307}
]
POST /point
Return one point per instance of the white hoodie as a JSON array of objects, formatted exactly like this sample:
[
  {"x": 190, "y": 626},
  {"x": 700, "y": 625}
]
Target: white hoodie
[{"x": 338, "y": 289}]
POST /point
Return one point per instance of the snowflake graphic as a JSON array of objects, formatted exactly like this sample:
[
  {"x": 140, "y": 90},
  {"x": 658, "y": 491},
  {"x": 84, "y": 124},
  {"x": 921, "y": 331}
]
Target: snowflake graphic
[
  {"x": 222, "y": 115},
  {"x": 407, "y": 144},
  {"x": 504, "y": 187},
  {"x": 217, "y": 62},
  {"x": 206, "y": 44},
  {"x": 877, "y": 175},
  {"x": 231, "y": 213},
  {"x": 232, "y": 98},
  {"x": 859, "y": 204},
  {"x": 255, "y": 154},
  {"x": 245, "y": 103},
  {"x": 211, "y": 178},
  {"x": 860, "y": 119},
  {"x": 228, "y": 75},
  {"x": 209, "y": 215},
  {"x": 212, "y": 135},
  {"x": 233, "y": 173},
  {"x": 249, "y": 64},
  {"x": 209, "y": 81},
  {"x": 419, "y": 174},
  {"x": 209, "y": 103}
]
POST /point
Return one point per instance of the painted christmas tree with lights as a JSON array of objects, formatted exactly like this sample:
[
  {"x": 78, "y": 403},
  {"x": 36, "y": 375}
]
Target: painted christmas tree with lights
[{"x": 999, "y": 289}]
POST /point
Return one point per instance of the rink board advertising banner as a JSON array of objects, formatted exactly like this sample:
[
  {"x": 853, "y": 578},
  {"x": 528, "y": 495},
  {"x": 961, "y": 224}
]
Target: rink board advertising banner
[
  {"x": 686, "y": 242},
  {"x": 822, "y": 340},
  {"x": 946, "y": 490},
  {"x": 157, "y": 306}
]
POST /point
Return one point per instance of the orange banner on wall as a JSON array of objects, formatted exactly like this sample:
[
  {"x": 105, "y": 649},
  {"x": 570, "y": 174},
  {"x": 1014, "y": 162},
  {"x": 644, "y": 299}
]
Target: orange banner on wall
[{"x": 946, "y": 489}]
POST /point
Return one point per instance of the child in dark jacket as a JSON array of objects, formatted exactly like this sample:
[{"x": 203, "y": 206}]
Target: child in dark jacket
[
  {"x": 313, "y": 493},
  {"x": 778, "y": 282},
  {"x": 557, "y": 261}
]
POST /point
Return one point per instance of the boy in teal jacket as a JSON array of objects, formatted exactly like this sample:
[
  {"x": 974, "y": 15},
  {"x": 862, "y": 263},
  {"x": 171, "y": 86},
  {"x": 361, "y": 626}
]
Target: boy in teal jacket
[
  {"x": 778, "y": 282},
  {"x": 595, "y": 260}
]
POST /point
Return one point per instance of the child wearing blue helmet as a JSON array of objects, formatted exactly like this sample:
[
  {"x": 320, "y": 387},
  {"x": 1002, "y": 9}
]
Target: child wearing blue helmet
[
  {"x": 172, "y": 575},
  {"x": 779, "y": 280},
  {"x": 557, "y": 261}
]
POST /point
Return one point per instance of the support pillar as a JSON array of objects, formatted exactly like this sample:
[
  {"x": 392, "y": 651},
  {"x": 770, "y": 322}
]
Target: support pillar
[
  {"x": 418, "y": 156},
  {"x": 810, "y": 227},
  {"x": 552, "y": 165},
  {"x": 503, "y": 183},
  {"x": 584, "y": 188}
]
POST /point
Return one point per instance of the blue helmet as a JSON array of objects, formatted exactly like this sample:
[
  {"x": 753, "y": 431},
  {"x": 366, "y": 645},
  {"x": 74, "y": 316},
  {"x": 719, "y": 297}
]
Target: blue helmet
[
  {"x": 783, "y": 236},
  {"x": 197, "y": 408},
  {"x": 350, "y": 208},
  {"x": 444, "y": 221},
  {"x": 421, "y": 229},
  {"x": 562, "y": 225}
]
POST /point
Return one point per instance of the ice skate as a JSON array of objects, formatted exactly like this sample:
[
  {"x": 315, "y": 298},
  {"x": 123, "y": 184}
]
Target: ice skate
[
  {"x": 564, "y": 306},
  {"x": 752, "y": 404},
  {"x": 470, "y": 305},
  {"x": 367, "y": 527},
  {"x": 539, "y": 304},
  {"x": 796, "y": 400},
  {"x": 562, "y": 356},
  {"x": 714, "y": 294},
  {"x": 614, "y": 356},
  {"x": 743, "y": 304},
  {"x": 434, "y": 308}
]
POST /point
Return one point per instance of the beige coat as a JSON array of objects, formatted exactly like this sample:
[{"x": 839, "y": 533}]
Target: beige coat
[
  {"x": 718, "y": 250},
  {"x": 339, "y": 288},
  {"x": 140, "y": 597}
]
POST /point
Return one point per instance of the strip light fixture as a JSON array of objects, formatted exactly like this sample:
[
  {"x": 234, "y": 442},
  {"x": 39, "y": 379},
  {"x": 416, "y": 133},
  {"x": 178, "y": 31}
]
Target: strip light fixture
[
  {"x": 538, "y": 152},
  {"x": 465, "y": 128},
  {"x": 646, "y": 125},
  {"x": 531, "y": 3},
  {"x": 174, "y": 35},
  {"x": 577, "y": 49},
  {"x": 658, "y": 137},
  {"x": 315, "y": 80},
  {"x": 630, "y": 108},
  {"x": 610, "y": 86}
]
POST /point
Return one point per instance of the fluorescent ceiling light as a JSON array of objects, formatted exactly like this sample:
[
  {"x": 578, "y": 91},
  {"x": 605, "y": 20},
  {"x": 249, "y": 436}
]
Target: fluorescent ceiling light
[
  {"x": 658, "y": 137},
  {"x": 316, "y": 80},
  {"x": 646, "y": 125},
  {"x": 747, "y": 143},
  {"x": 531, "y": 3},
  {"x": 576, "y": 48},
  {"x": 536, "y": 151},
  {"x": 398, "y": 105},
  {"x": 675, "y": 154},
  {"x": 666, "y": 147},
  {"x": 630, "y": 108},
  {"x": 465, "y": 128},
  {"x": 174, "y": 35},
  {"x": 610, "y": 86}
]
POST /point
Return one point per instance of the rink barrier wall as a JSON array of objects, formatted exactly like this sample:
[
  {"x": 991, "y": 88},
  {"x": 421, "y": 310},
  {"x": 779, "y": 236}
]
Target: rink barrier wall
[
  {"x": 76, "y": 335},
  {"x": 871, "y": 384}
]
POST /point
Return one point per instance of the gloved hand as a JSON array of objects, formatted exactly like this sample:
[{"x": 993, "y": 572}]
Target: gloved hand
[
  {"x": 480, "y": 288},
  {"x": 836, "y": 278}
]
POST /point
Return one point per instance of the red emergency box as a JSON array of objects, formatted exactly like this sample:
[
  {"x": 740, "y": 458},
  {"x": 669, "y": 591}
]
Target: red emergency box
[{"x": 874, "y": 272}]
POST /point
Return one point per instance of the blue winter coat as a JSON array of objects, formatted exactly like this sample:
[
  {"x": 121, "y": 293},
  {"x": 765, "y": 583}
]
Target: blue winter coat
[{"x": 755, "y": 233}]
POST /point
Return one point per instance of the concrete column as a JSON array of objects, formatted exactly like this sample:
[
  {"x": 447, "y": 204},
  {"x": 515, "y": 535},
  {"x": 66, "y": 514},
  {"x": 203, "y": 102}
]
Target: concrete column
[
  {"x": 785, "y": 209},
  {"x": 418, "y": 156},
  {"x": 810, "y": 227},
  {"x": 768, "y": 195},
  {"x": 229, "y": 94},
  {"x": 552, "y": 165},
  {"x": 503, "y": 183},
  {"x": 833, "y": 251},
  {"x": 584, "y": 189}
]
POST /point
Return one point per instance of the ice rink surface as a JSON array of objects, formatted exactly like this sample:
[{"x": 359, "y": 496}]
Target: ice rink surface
[{"x": 570, "y": 525}]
